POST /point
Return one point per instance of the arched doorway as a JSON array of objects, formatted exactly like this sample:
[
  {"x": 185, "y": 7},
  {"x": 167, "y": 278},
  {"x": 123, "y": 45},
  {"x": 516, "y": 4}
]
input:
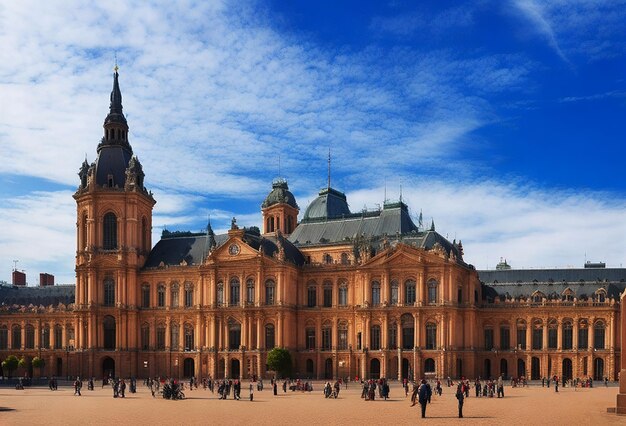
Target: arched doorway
[
  {"x": 235, "y": 368},
  {"x": 375, "y": 369},
  {"x": 504, "y": 368},
  {"x": 406, "y": 368},
  {"x": 521, "y": 368},
  {"x": 598, "y": 369},
  {"x": 188, "y": 367},
  {"x": 567, "y": 369},
  {"x": 487, "y": 369},
  {"x": 535, "y": 369},
  {"x": 328, "y": 368},
  {"x": 310, "y": 368},
  {"x": 429, "y": 365},
  {"x": 392, "y": 370},
  {"x": 108, "y": 325},
  {"x": 108, "y": 367}
]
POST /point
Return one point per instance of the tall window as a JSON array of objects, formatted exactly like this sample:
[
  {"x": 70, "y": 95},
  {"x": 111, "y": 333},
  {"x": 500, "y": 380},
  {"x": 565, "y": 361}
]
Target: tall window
[
  {"x": 188, "y": 295},
  {"x": 83, "y": 240},
  {"x": 58, "y": 337},
  {"x": 327, "y": 337},
  {"x": 394, "y": 293},
  {"x": 328, "y": 259},
  {"x": 160, "y": 337},
  {"x": 108, "y": 326},
  {"x": 392, "y": 336},
  {"x": 189, "y": 342},
  {"x": 311, "y": 296},
  {"x": 234, "y": 335},
  {"x": 30, "y": 337},
  {"x": 4, "y": 337},
  {"x": 567, "y": 335},
  {"x": 537, "y": 335},
  {"x": 409, "y": 292},
  {"x": 16, "y": 337},
  {"x": 344, "y": 259},
  {"x": 145, "y": 337},
  {"x": 109, "y": 233},
  {"x": 145, "y": 296},
  {"x": 250, "y": 291},
  {"x": 375, "y": 337},
  {"x": 431, "y": 336},
  {"x": 408, "y": 331},
  {"x": 342, "y": 336},
  {"x": 109, "y": 292},
  {"x": 174, "y": 295},
  {"x": 310, "y": 338},
  {"x": 328, "y": 295},
  {"x": 174, "y": 334},
  {"x": 375, "y": 293},
  {"x": 552, "y": 334},
  {"x": 161, "y": 296},
  {"x": 521, "y": 334},
  {"x": 598, "y": 335},
  {"x": 220, "y": 294},
  {"x": 505, "y": 337},
  {"x": 583, "y": 335},
  {"x": 234, "y": 292},
  {"x": 270, "y": 341},
  {"x": 343, "y": 294},
  {"x": 488, "y": 339},
  {"x": 270, "y": 288},
  {"x": 432, "y": 291},
  {"x": 45, "y": 337}
]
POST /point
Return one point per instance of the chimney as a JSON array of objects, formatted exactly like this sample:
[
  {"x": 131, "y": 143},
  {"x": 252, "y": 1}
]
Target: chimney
[
  {"x": 19, "y": 278},
  {"x": 45, "y": 279}
]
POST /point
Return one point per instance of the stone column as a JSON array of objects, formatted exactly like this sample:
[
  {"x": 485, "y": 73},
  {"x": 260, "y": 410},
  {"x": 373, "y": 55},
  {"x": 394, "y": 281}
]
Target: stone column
[
  {"x": 258, "y": 333},
  {"x": 591, "y": 336},
  {"x": 575, "y": 334},
  {"x": 559, "y": 335},
  {"x": 544, "y": 344}
]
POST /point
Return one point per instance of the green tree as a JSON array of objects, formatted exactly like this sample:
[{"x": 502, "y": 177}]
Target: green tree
[
  {"x": 22, "y": 363},
  {"x": 10, "y": 364},
  {"x": 39, "y": 364},
  {"x": 279, "y": 360}
]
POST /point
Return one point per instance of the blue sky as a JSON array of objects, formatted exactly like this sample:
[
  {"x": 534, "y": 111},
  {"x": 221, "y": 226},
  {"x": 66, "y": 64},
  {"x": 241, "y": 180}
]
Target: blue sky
[{"x": 502, "y": 120}]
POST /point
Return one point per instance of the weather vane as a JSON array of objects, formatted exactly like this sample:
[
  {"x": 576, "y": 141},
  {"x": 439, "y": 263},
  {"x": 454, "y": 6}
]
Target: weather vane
[{"x": 115, "y": 68}]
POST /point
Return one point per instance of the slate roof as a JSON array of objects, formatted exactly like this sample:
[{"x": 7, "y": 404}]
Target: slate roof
[
  {"x": 112, "y": 160},
  {"x": 552, "y": 282},
  {"x": 329, "y": 204},
  {"x": 49, "y": 295},
  {"x": 280, "y": 194}
]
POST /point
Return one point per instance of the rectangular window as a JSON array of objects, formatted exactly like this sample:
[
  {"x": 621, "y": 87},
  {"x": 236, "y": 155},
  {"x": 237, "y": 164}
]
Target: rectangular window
[
  {"x": 328, "y": 297},
  {"x": 30, "y": 338},
  {"x": 375, "y": 338},
  {"x": 311, "y": 296},
  {"x": 188, "y": 297},
  {"x": 538, "y": 338},
  {"x": 394, "y": 294},
  {"x": 567, "y": 338},
  {"x": 408, "y": 338},
  {"x": 432, "y": 294},
  {"x": 4, "y": 338},
  {"x": 175, "y": 297},
  {"x": 58, "y": 338},
  {"x": 552, "y": 338},
  {"x": 583, "y": 338},
  {"x": 343, "y": 339},
  {"x": 375, "y": 296},
  {"x": 250, "y": 293},
  {"x": 598, "y": 338},
  {"x": 189, "y": 345},
  {"x": 269, "y": 338},
  {"x": 521, "y": 338},
  {"x": 310, "y": 338},
  {"x": 145, "y": 297},
  {"x": 161, "y": 298},
  {"x": 160, "y": 338},
  {"x": 505, "y": 338},
  {"x": 392, "y": 338},
  {"x": 488, "y": 339},
  {"x": 410, "y": 295},
  {"x": 431, "y": 338},
  {"x": 269, "y": 294},
  {"x": 326, "y": 339},
  {"x": 343, "y": 295},
  {"x": 145, "y": 338}
]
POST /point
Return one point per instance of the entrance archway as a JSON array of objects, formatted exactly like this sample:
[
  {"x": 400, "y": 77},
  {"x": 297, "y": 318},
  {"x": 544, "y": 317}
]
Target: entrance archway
[
  {"x": 535, "y": 369},
  {"x": 375, "y": 369},
  {"x": 521, "y": 368},
  {"x": 598, "y": 369},
  {"x": 487, "y": 369},
  {"x": 504, "y": 368},
  {"x": 235, "y": 368},
  {"x": 328, "y": 368},
  {"x": 406, "y": 368},
  {"x": 108, "y": 367},
  {"x": 429, "y": 365},
  {"x": 567, "y": 369},
  {"x": 189, "y": 367}
]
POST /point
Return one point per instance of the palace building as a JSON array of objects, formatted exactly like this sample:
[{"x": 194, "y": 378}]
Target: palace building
[{"x": 365, "y": 294}]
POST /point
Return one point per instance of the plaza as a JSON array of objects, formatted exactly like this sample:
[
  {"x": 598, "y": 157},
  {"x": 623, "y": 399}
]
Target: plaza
[{"x": 530, "y": 405}]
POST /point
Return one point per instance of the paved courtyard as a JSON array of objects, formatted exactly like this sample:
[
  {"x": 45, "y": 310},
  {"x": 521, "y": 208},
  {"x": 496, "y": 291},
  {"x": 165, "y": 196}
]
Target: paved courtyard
[{"x": 532, "y": 405}]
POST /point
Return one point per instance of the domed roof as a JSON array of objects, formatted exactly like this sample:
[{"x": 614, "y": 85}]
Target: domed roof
[
  {"x": 330, "y": 204},
  {"x": 280, "y": 194}
]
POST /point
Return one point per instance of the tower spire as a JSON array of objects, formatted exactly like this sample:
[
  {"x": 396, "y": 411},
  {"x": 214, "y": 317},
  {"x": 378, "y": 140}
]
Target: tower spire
[
  {"x": 328, "y": 168},
  {"x": 116, "y": 114}
]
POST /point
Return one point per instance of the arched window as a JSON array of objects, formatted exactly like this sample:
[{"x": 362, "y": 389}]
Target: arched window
[
  {"x": 601, "y": 295},
  {"x": 45, "y": 337},
  {"x": 58, "y": 337},
  {"x": 598, "y": 335},
  {"x": 145, "y": 337},
  {"x": 395, "y": 295},
  {"x": 189, "y": 341},
  {"x": 220, "y": 294},
  {"x": 250, "y": 291},
  {"x": 567, "y": 340},
  {"x": 432, "y": 291},
  {"x": 234, "y": 335},
  {"x": 270, "y": 288},
  {"x": 538, "y": 297},
  {"x": 109, "y": 232},
  {"x": 109, "y": 292},
  {"x": 188, "y": 295},
  {"x": 408, "y": 331},
  {"x": 270, "y": 342},
  {"x": 161, "y": 295},
  {"x": 174, "y": 333},
  {"x": 328, "y": 294},
  {"x": 375, "y": 338},
  {"x": 505, "y": 336},
  {"x": 342, "y": 336},
  {"x": 375, "y": 293},
  {"x": 4, "y": 337},
  {"x": 174, "y": 295},
  {"x": 145, "y": 296},
  {"x": 16, "y": 337},
  {"x": 409, "y": 292},
  {"x": 521, "y": 334},
  {"x": 343, "y": 293},
  {"x": 83, "y": 227},
  {"x": 160, "y": 337},
  {"x": 431, "y": 335},
  {"x": 552, "y": 334},
  {"x": 344, "y": 259},
  {"x": 488, "y": 331},
  {"x": 108, "y": 325},
  {"x": 392, "y": 336},
  {"x": 537, "y": 335},
  {"x": 311, "y": 295},
  {"x": 234, "y": 291},
  {"x": 568, "y": 295}
]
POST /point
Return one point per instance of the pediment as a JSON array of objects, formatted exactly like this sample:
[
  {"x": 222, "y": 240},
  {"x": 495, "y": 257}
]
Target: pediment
[
  {"x": 232, "y": 250},
  {"x": 398, "y": 256}
]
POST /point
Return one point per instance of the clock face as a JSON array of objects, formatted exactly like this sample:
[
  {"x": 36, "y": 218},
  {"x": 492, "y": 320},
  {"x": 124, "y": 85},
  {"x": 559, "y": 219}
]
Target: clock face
[{"x": 233, "y": 249}]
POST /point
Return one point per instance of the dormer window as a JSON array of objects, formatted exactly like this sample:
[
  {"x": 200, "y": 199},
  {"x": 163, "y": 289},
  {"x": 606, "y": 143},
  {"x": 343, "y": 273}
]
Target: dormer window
[{"x": 110, "y": 181}]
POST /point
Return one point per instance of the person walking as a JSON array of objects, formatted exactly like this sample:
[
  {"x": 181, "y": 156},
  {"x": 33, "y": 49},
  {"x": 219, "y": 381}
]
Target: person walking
[
  {"x": 77, "y": 385},
  {"x": 424, "y": 396},
  {"x": 460, "y": 396}
]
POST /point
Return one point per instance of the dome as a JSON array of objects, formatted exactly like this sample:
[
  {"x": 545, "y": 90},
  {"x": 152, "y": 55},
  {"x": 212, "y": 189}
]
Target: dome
[
  {"x": 330, "y": 204},
  {"x": 280, "y": 194}
]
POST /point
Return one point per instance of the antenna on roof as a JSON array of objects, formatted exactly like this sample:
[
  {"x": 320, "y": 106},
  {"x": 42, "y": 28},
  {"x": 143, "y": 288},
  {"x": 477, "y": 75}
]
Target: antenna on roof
[
  {"x": 385, "y": 193},
  {"x": 328, "y": 167},
  {"x": 400, "y": 192},
  {"x": 279, "y": 166}
]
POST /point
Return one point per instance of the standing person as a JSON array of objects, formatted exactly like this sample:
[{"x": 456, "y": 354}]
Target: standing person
[
  {"x": 414, "y": 394},
  {"x": 500, "y": 387},
  {"x": 251, "y": 391},
  {"x": 460, "y": 396},
  {"x": 123, "y": 388},
  {"x": 424, "y": 396},
  {"x": 77, "y": 386},
  {"x": 275, "y": 388},
  {"x": 556, "y": 385}
]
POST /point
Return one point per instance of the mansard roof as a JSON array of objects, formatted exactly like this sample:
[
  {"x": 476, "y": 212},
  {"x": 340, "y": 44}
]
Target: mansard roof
[
  {"x": 524, "y": 282},
  {"x": 329, "y": 204},
  {"x": 48, "y": 295}
]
